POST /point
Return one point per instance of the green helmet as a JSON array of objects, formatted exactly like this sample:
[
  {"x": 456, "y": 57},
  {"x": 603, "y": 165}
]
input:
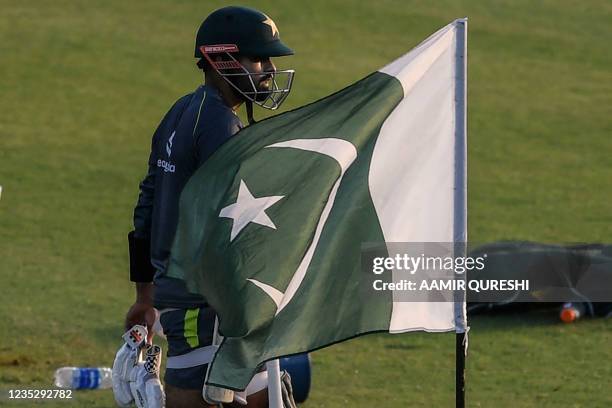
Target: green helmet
[
  {"x": 233, "y": 31},
  {"x": 254, "y": 33}
]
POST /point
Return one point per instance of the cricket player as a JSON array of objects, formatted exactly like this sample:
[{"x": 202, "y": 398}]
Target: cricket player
[{"x": 233, "y": 47}]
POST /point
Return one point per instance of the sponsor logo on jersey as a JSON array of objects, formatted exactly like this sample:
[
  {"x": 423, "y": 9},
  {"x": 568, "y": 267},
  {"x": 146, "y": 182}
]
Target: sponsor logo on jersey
[
  {"x": 167, "y": 166},
  {"x": 169, "y": 144}
]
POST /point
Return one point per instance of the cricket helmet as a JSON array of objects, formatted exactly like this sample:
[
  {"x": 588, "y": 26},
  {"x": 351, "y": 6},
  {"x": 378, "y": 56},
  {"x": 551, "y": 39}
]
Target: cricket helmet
[{"x": 232, "y": 31}]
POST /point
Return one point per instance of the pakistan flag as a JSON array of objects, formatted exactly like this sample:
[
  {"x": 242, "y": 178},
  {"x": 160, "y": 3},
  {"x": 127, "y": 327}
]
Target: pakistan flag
[{"x": 272, "y": 225}]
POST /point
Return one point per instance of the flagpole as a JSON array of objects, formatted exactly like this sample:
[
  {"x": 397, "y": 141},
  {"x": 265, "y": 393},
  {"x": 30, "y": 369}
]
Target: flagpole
[
  {"x": 460, "y": 223},
  {"x": 275, "y": 399},
  {"x": 460, "y": 371}
]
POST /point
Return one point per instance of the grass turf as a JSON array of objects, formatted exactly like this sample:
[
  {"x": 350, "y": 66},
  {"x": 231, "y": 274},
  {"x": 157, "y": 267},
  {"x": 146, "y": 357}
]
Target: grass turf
[{"x": 84, "y": 84}]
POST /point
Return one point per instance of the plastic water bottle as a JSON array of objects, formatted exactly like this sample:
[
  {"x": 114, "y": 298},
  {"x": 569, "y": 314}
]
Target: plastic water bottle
[
  {"x": 83, "y": 378},
  {"x": 570, "y": 312}
]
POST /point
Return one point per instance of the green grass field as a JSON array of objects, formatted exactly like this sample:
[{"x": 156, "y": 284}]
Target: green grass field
[{"x": 83, "y": 85}]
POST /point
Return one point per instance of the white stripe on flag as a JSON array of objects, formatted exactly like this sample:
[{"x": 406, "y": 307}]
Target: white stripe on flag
[{"x": 412, "y": 176}]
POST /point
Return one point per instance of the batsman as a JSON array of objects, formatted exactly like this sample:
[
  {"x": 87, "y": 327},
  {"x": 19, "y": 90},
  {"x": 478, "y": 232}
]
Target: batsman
[{"x": 233, "y": 48}]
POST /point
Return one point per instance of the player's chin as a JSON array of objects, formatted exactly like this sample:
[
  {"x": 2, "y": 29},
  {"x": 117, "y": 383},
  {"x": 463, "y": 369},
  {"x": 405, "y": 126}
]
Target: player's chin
[{"x": 263, "y": 92}]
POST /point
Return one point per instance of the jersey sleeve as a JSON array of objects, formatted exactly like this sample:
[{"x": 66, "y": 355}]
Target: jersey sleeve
[
  {"x": 143, "y": 212},
  {"x": 139, "y": 240},
  {"x": 217, "y": 130}
]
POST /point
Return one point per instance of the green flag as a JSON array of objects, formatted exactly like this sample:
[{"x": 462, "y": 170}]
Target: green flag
[{"x": 271, "y": 226}]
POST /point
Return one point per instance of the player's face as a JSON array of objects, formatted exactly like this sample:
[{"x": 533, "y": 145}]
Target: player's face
[{"x": 262, "y": 69}]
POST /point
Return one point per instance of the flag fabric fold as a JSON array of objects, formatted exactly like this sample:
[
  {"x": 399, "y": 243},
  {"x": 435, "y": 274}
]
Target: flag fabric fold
[{"x": 271, "y": 226}]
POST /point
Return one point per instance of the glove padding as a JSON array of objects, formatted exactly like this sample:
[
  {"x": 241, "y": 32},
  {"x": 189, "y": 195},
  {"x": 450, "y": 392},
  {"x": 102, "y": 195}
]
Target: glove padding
[
  {"x": 136, "y": 379},
  {"x": 287, "y": 390}
]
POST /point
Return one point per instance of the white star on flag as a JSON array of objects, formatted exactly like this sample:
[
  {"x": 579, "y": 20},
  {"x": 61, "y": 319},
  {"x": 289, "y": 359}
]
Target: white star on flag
[{"x": 247, "y": 209}]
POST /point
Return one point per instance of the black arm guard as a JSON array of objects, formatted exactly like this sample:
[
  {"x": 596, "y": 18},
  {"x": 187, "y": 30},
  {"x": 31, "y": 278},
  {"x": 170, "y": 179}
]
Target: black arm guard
[{"x": 141, "y": 269}]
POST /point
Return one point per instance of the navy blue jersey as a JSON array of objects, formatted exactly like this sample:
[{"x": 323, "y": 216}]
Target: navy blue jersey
[{"x": 195, "y": 126}]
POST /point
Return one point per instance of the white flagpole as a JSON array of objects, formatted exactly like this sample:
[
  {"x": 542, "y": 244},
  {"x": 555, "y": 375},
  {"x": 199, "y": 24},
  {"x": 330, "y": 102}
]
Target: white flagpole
[
  {"x": 275, "y": 398},
  {"x": 460, "y": 222}
]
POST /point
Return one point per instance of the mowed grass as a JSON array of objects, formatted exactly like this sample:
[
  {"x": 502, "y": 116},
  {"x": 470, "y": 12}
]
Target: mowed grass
[{"x": 84, "y": 84}]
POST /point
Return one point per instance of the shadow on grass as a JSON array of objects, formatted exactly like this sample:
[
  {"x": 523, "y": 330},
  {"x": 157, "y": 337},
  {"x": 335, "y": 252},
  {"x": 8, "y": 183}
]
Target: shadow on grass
[
  {"x": 401, "y": 346},
  {"x": 15, "y": 360},
  {"x": 516, "y": 315}
]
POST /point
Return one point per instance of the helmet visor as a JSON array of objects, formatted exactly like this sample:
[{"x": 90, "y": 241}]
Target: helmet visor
[
  {"x": 268, "y": 92},
  {"x": 268, "y": 89}
]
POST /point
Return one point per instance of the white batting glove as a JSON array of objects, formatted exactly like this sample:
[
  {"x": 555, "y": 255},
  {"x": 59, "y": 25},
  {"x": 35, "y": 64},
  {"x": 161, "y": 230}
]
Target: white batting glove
[{"x": 136, "y": 379}]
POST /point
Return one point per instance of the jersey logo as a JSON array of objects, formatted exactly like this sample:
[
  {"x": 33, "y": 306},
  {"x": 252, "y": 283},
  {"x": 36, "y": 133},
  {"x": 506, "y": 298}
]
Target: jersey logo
[
  {"x": 169, "y": 144},
  {"x": 167, "y": 165}
]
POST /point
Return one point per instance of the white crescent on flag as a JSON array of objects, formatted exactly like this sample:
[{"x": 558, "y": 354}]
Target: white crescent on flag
[{"x": 345, "y": 154}]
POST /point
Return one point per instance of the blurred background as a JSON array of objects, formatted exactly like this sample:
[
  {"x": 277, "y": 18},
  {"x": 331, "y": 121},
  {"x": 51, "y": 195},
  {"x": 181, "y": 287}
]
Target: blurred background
[{"x": 84, "y": 84}]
